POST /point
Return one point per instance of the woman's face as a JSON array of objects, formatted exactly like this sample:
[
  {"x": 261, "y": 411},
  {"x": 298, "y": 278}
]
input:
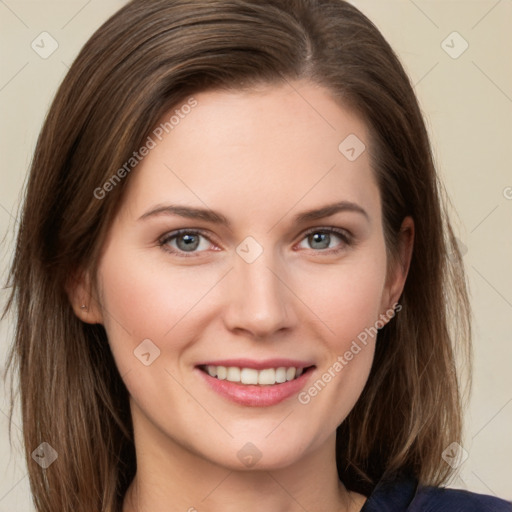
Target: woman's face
[{"x": 280, "y": 264}]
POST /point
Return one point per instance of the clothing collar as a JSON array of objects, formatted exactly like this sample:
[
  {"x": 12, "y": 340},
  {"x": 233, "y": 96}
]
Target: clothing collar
[{"x": 392, "y": 495}]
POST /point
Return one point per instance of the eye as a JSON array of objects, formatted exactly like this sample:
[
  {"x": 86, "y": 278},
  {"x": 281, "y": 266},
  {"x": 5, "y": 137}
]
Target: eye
[
  {"x": 326, "y": 239},
  {"x": 185, "y": 242}
]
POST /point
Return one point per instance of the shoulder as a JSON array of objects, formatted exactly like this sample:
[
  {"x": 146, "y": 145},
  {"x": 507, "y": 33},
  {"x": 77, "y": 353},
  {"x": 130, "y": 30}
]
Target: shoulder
[
  {"x": 405, "y": 495},
  {"x": 452, "y": 500}
]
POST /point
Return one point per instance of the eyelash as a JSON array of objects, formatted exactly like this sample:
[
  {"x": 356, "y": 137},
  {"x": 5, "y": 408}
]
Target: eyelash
[{"x": 345, "y": 236}]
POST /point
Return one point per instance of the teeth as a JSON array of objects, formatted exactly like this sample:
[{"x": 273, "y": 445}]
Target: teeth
[
  {"x": 266, "y": 377},
  {"x": 233, "y": 374},
  {"x": 248, "y": 376},
  {"x": 281, "y": 375}
]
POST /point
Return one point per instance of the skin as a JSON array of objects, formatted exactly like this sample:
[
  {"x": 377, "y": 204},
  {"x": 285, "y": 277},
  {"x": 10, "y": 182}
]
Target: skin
[{"x": 259, "y": 158}]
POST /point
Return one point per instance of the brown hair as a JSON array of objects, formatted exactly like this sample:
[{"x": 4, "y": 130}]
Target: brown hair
[{"x": 147, "y": 58}]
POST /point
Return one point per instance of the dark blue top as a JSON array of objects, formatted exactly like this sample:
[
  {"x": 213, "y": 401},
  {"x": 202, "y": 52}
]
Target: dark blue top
[{"x": 404, "y": 495}]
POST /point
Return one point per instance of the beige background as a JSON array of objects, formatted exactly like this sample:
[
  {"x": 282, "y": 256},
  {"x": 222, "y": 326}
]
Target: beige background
[{"x": 467, "y": 102}]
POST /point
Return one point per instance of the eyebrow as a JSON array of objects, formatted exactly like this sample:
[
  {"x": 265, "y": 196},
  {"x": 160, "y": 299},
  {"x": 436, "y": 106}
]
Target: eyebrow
[
  {"x": 217, "y": 218},
  {"x": 330, "y": 209},
  {"x": 188, "y": 212}
]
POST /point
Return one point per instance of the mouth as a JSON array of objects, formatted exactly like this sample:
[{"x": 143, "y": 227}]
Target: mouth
[{"x": 256, "y": 384}]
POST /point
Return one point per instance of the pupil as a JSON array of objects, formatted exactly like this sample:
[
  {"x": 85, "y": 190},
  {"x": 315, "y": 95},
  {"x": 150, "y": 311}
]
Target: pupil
[
  {"x": 323, "y": 239},
  {"x": 188, "y": 242}
]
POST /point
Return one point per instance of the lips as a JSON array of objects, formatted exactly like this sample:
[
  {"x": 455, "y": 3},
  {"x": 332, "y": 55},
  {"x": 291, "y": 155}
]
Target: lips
[{"x": 256, "y": 384}]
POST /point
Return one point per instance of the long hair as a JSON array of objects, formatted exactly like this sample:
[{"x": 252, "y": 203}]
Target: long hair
[{"x": 147, "y": 58}]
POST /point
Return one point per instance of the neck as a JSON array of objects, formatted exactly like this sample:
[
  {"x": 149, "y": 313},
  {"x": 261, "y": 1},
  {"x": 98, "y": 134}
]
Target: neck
[{"x": 170, "y": 475}]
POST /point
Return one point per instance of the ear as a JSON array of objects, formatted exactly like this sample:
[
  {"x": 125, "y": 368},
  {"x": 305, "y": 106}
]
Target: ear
[
  {"x": 82, "y": 297},
  {"x": 399, "y": 267}
]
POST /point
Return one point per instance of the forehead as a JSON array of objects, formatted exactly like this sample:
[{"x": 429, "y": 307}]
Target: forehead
[{"x": 260, "y": 151}]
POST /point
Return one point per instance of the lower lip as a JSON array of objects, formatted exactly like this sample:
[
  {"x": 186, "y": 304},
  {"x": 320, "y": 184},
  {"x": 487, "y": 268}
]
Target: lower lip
[{"x": 256, "y": 396}]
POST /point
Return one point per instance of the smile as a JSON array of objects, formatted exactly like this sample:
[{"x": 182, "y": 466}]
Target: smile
[{"x": 256, "y": 384}]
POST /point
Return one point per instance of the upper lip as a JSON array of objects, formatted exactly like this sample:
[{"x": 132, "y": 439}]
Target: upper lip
[{"x": 258, "y": 365}]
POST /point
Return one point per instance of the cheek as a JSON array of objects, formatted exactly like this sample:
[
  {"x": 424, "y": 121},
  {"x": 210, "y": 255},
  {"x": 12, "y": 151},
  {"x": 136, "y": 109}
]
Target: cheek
[
  {"x": 141, "y": 300},
  {"x": 346, "y": 298}
]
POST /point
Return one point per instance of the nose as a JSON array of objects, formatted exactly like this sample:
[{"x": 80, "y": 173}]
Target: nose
[{"x": 259, "y": 301}]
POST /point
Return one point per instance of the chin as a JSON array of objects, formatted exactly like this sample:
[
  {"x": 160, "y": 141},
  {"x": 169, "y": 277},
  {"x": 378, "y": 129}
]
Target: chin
[{"x": 261, "y": 454}]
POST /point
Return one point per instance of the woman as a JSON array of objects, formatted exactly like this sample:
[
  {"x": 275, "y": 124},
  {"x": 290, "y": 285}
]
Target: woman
[{"x": 234, "y": 273}]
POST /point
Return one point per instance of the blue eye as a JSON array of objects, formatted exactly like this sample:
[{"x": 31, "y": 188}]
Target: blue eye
[
  {"x": 324, "y": 239},
  {"x": 185, "y": 241}
]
